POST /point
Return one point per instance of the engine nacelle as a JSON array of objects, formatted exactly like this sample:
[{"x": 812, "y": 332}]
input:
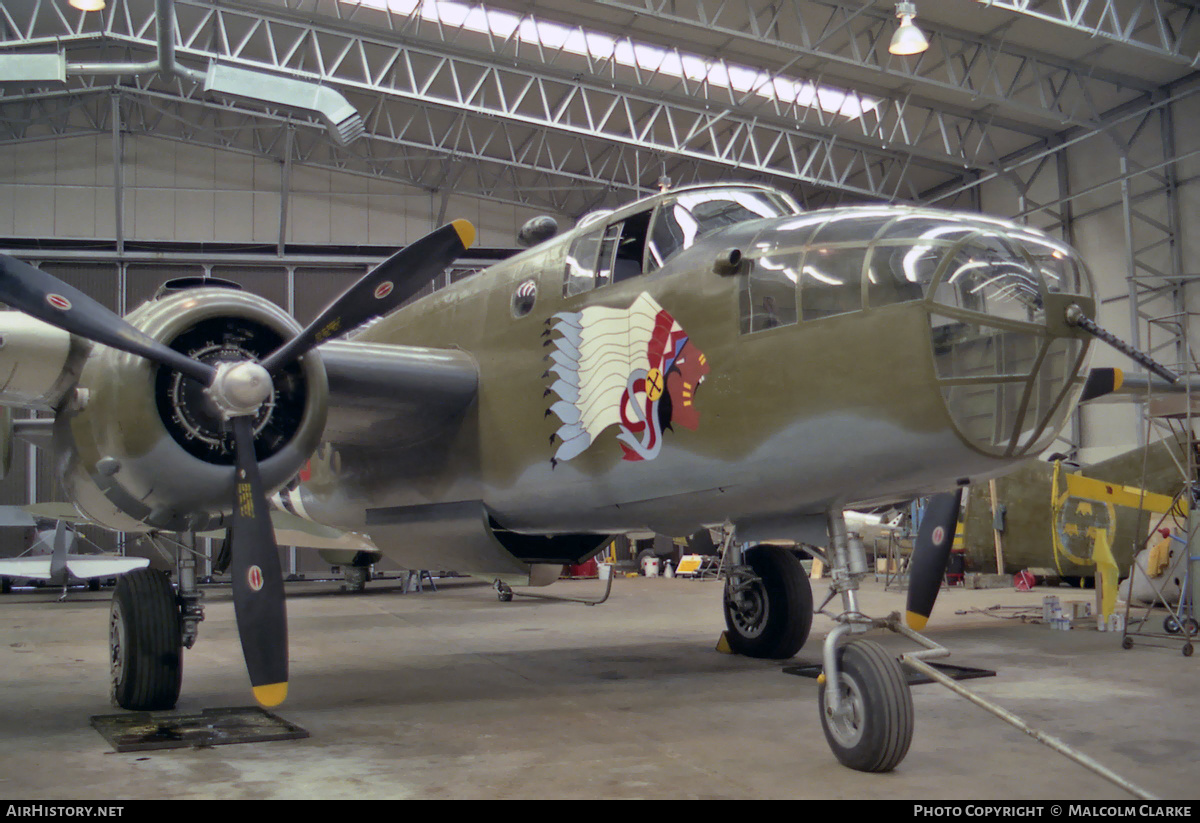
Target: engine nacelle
[{"x": 143, "y": 447}]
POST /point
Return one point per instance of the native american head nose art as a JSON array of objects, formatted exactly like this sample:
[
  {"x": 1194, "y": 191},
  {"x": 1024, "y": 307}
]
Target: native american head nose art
[{"x": 634, "y": 368}]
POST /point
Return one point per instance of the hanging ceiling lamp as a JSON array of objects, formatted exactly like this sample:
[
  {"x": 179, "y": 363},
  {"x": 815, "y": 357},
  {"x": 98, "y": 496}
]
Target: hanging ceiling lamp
[
  {"x": 908, "y": 39},
  {"x": 88, "y": 5}
]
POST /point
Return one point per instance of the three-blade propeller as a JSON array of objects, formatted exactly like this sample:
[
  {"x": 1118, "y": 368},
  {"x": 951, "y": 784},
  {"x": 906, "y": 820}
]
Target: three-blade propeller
[{"x": 240, "y": 389}]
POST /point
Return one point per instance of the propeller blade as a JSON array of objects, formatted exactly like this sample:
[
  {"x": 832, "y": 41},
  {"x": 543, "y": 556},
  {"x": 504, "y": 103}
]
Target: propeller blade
[
  {"x": 1100, "y": 382},
  {"x": 931, "y": 553},
  {"x": 383, "y": 288},
  {"x": 52, "y": 301},
  {"x": 258, "y": 597}
]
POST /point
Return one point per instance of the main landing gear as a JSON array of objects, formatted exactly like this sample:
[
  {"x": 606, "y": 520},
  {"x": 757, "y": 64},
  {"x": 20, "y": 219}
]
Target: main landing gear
[
  {"x": 144, "y": 641},
  {"x": 768, "y": 604},
  {"x": 150, "y": 623},
  {"x": 865, "y": 703}
]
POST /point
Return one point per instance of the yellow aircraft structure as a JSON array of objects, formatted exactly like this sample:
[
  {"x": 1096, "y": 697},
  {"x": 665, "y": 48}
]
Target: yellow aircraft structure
[{"x": 1075, "y": 524}]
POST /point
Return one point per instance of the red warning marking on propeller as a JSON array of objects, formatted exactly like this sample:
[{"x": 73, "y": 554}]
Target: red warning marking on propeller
[
  {"x": 255, "y": 578},
  {"x": 383, "y": 289},
  {"x": 939, "y": 534},
  {"x": 58, "y": 301}
]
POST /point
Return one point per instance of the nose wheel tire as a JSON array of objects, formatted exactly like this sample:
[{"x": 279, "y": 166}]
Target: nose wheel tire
[
  {"x": 145, "y": 642},
  {"x": 768, "y": 613},
  {"x": 874, "y": 727}
]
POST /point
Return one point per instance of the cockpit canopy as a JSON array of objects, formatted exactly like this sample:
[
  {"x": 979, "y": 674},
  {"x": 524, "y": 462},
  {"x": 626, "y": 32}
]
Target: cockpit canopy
[
  {"x": 844, "y": 260},
  {"x": 986, "y": 283},
  {"x": 643, "y": 241}
]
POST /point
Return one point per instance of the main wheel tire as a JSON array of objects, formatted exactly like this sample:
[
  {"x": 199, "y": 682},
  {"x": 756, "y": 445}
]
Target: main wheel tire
[
  {"x": 874, "y": 735},
  {"x": 772, "y": 617},
  {"x": 145, "y": 642}
]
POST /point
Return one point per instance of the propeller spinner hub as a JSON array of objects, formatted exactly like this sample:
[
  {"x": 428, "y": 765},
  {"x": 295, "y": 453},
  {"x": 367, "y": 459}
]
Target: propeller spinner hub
[{"x": 240, "y": 388}]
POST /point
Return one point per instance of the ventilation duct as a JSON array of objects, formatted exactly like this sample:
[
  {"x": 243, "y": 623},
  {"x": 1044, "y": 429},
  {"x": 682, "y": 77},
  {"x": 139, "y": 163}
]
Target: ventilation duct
[{"x": 342, "y": 119}]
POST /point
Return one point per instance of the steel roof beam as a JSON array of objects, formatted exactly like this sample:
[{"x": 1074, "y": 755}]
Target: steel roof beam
[
  {"x": 1163, "y": 29},
  {"x": 977, "y": 69},
  {"x": 865, "y": 158}
]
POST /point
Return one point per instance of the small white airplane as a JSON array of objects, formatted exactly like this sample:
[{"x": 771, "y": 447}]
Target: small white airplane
[{"x": 52, "y": 560}]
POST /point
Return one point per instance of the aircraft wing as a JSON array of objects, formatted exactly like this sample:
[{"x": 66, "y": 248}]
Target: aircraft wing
[
  {"x": 81, "y": 566},
  {"x": 386, "y": 395},
  {"x": 291, "y": 530},
  {"x": 35, "y": 568},
  {"x": 87, "y": 566}
]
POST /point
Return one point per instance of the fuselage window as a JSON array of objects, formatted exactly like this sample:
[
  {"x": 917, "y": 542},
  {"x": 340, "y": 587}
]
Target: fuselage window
[
  {"x": 899, "y": 274},
  {"x": 987, "y": 274},
  {"x": 831, "y": 281},
  {"x": 768, "y": 293}
]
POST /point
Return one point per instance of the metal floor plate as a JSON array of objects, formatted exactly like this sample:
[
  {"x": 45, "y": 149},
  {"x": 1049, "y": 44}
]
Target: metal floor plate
[
  {"x": 146, "y": 731},
  {"x": 914, "y": 678}
]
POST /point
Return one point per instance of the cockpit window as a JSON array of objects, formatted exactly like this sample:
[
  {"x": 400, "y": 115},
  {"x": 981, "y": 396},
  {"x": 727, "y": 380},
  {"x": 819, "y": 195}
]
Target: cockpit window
[
  {"x": 693, "y": 214},
  {"x": 768, "y": 295},
  {"x": 581, "y": 263},
  {"x": 644, "y": 241},
  {"x": 609, "y": 255}
]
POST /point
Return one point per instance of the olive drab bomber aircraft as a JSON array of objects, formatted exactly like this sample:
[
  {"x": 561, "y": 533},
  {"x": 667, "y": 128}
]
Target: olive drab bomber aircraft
[{"x": 711, "y": 356}]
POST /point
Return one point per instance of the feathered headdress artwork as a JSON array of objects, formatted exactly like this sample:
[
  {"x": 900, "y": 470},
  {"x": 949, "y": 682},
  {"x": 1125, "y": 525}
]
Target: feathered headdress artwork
[{"x": 611, "y": 367}]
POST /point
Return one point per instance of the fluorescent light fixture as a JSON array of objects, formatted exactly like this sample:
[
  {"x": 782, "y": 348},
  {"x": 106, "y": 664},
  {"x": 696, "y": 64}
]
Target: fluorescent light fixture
[
  {"x": 908, "y": 39},
  {"x": 626, "y": 52},
  {"x": 88, "y": 5}
]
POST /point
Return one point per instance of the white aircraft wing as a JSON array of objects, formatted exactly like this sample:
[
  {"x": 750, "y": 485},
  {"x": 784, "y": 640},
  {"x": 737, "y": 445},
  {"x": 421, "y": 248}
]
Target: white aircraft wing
[
  {"x": 35, "y": 568},
  {"x": 87, "y": 566}
]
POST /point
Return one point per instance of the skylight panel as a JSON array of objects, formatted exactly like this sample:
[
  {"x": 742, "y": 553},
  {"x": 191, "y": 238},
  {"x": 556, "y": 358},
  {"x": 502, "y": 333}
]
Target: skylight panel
[{"x": 626, "y": 52}]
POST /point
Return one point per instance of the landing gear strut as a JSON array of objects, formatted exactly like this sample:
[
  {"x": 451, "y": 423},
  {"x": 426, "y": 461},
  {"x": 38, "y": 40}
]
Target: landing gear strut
[
  {"x": 868, "y": 715},
  {"x": 866, "y": 706}
]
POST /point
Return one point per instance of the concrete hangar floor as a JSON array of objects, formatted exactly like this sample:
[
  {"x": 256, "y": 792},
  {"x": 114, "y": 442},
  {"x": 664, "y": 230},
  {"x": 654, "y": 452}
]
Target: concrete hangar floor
[{"x": 452, "y": 694}]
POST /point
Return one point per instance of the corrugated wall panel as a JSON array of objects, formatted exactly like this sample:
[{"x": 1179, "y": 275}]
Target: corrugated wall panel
[{"x": 316, "y": 288}]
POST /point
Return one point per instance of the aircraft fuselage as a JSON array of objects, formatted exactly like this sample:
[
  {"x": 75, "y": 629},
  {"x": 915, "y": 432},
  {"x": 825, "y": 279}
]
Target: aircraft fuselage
[{"x": 850, "y": 355}]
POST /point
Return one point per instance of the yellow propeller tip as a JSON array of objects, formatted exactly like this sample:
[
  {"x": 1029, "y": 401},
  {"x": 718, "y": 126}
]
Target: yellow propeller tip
[
  {"x": 466, "y": 232},
  {"x": 915, "y": 621},
  {"x": 1118, "y": 379},
  {"x": 271, "y": 694}
]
